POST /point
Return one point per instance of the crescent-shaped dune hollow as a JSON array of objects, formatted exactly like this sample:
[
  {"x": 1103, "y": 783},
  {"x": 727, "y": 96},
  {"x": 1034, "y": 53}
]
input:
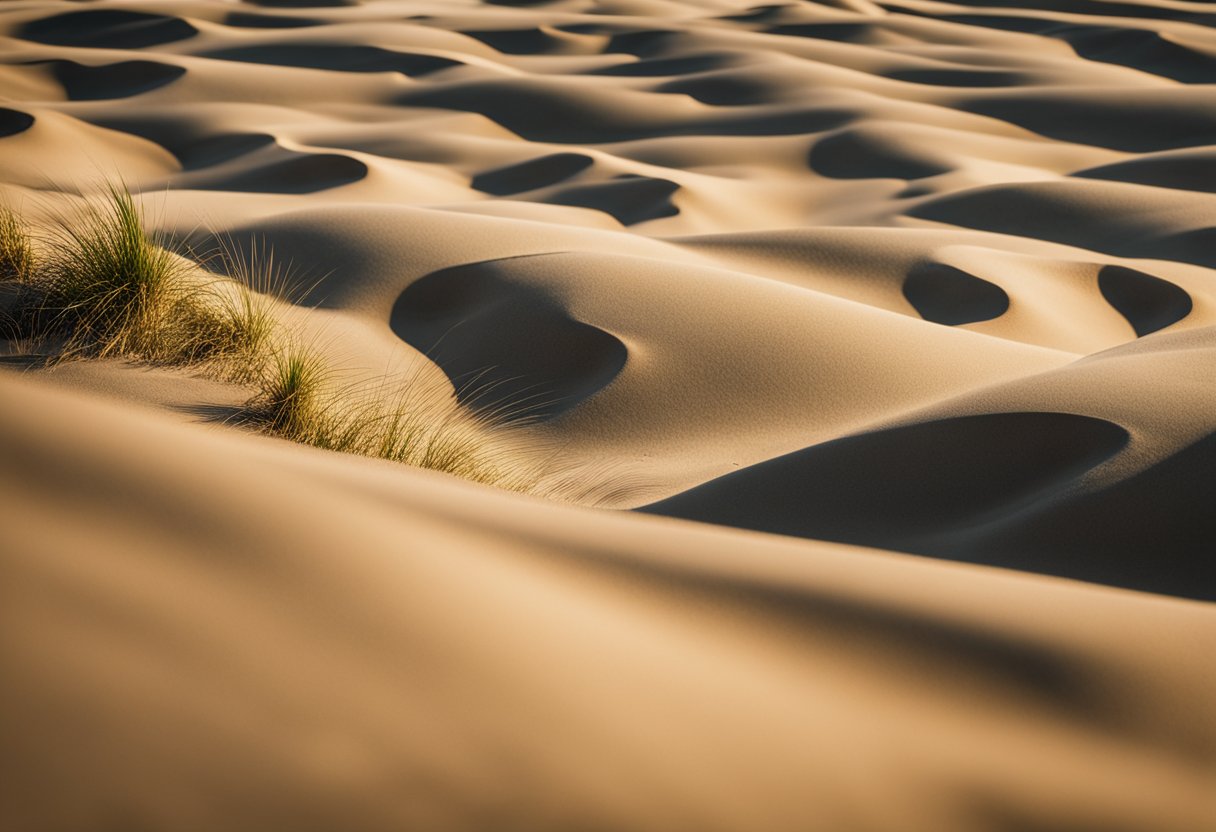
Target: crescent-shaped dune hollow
[{"x": 614, "y": 415}]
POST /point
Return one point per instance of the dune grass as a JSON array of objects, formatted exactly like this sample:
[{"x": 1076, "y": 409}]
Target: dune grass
[
  {"x": 288, "y": 402},
  {"x": 110, "y": 290},
  {"x": 17, "y": 259},
  {"x": 298, "y": 399},
  {"x": 105, "y": 288}
]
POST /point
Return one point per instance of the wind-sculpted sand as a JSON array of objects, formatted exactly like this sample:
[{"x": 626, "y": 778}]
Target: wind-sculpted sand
[{"x": 910, "y": 305}]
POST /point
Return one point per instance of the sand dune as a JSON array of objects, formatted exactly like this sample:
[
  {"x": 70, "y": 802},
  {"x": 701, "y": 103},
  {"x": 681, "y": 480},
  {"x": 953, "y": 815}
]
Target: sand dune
[{"x": 919, "y": 297}]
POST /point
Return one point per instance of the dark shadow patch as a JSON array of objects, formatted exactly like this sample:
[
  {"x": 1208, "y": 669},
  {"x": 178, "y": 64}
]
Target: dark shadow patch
[
  {"x": 1136, "y": 48},
  {"x": 1152, "y": 531},
  {"x": 757, "y": 14},
  {"x": 215, "y": 150},
  {"x": 252, "y": 20},
  {"x": 1149, "y": 303},
  {"x": 860, "y": 154},
  {"x": 561, "y": 113},
  {"x": 532, "y": 174},
  {"x": 529, "y": 41},
  {"x": 109, "y": 81},
  {"x": 1140, "y": 49},
  {"x": 1136, "y": 121},
  {"x": 642, "y": 43},
  {"x": 299, "y": 174},
  {"x": 13, "y": 122},
  {"x": 302, "y": 4},
  {"x": 503, "y": 343},
  {"x": 107, "y": 29},
  {"x": 726, "y": 88},
  {"x": 946, "y": 295},
  {"x": 1099, "y": 8},
  {"x": 1183, "y": 170},
  {"x": 905, "y": 488},
  {"x": 663, "y": 67},
  {"x": 336, "y": 58},
  {"x": 629, "y": 199},
  {"x": 1085, "y": 215},
  {"x": 841, "y": 32},
  {"x": 958, "y": 77}
]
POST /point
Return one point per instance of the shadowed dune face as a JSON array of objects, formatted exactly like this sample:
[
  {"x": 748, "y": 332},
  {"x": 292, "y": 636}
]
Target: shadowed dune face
[
  {"x": 1149, "y": 303},
  {"x": 1188, "y": 170},
  {"x": 629, "y": 199},
  {"x": 1165, "y": 119},
  {"x": 532, "y": 174},
  {"x": 1160, "y": 224},
  {"x": 302, "y": 4},
  {"x": 107, "y": 29},
  {"x": 857, "y": 154},
  {"x": 14, "y": 121},
  {"x": 947, "y": 295},
  {"x": 120, "y": 80},
  {"x": 252, "y": 20},
  {"x": 294, "y": 173},
  {"x": 506, "y": 345},
  {"x": 337, "y": 57},
  {"x": 934, "y": 476}
]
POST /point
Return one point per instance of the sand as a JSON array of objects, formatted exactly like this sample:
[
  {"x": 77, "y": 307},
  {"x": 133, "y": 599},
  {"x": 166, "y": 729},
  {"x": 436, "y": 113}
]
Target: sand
[{"x": 868, "y": 351}]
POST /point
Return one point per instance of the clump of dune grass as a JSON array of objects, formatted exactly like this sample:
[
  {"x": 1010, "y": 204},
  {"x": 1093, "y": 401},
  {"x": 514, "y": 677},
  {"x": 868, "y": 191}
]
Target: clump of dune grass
[
  {"x": 106, "y": 288},
  {"x": 17, "y": 267},
  {"x": 17, "y": 259},
  {"x": 288, "y": 402},
  {"x": 297, "y": 399}
]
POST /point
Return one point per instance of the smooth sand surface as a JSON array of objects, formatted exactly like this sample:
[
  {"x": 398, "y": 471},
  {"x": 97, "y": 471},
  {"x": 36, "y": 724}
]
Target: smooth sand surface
[{"x": 918, "y": 297}]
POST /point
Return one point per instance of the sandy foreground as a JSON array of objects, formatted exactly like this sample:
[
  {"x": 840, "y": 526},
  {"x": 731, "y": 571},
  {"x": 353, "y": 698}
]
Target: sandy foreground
[{"x": 870, "y": 354}]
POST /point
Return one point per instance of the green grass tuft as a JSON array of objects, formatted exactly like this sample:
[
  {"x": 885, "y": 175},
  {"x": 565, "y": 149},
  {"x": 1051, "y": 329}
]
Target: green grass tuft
[
  {"x": 289, "y": 399},
  {"x": 17, "y": 261},
  {"x": 296, "y": 401},
  {"x": 109, "y": 290}
]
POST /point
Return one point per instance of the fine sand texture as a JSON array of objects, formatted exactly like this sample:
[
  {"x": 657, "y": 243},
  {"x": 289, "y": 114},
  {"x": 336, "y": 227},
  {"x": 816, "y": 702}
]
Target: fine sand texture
[{"x": 849, "y": 368}]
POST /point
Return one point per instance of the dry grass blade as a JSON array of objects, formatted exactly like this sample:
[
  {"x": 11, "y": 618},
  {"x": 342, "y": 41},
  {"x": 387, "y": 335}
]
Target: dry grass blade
[
  {"x": 425, "y": 429},
  {"x": 17, "y": 261},
  {"x": 289, "y": 400}
]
